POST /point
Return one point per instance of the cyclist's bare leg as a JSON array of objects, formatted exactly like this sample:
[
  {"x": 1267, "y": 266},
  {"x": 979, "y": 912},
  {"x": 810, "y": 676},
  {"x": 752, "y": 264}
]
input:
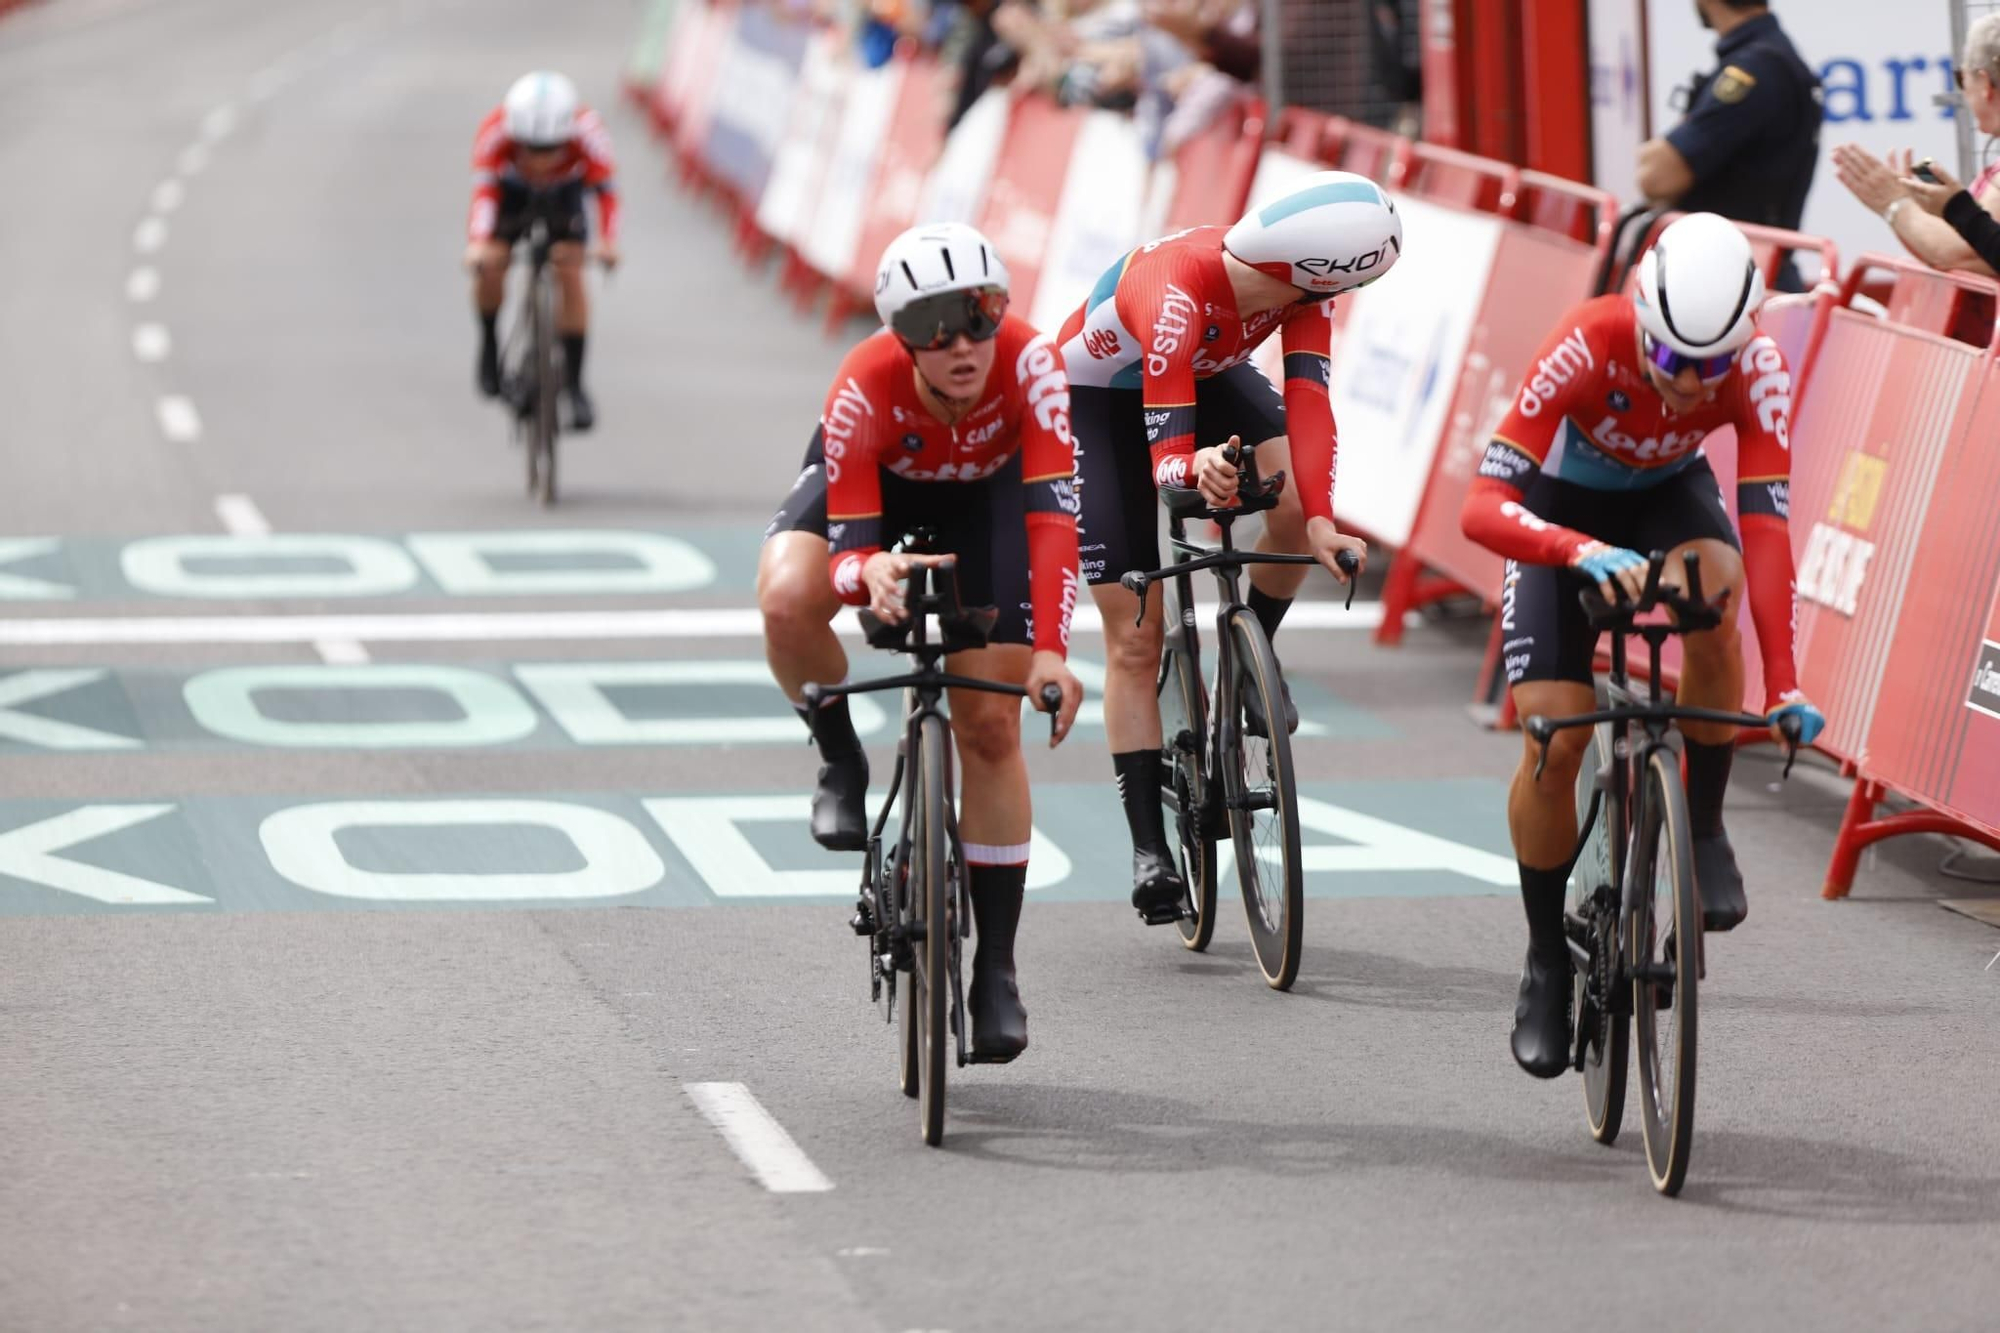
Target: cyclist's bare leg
[
  {"x": 1132, "y": 727},
  {"x": 797, "y": 599},
  {"x": 1712, "y": 677},
  {"x": 572, "y": 325},
  {"x": 1284, "y": 527},
  {"x": 994, "y": 823},
  {"x": 489, "y": 292},
  {"x": 1541, "y": 817}
]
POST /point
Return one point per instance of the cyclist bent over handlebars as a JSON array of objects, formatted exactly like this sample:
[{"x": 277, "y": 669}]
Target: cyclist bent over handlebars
[
  {"x": 1598, "y": 461},
  {"x": 955, "y": 417}
]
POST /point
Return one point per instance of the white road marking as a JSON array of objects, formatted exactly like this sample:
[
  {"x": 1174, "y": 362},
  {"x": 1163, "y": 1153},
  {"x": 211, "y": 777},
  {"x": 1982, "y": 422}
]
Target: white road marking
[
  {"x": 142, "y": 284},
  {"x": 241, "y": 517},
  {"x": 168, "y": 195},
  {"x": 179, "y": 421},
  {"x": 149, "y": 235},
  {"x": 193, "y": 159},
  {"x": 218, "y": 123},
  {"x": 757, "y": 1139},
  {"x": 342, "y": 652},
  {"x": 151, "y": 342},
  {"x": 492, "y": 626}
]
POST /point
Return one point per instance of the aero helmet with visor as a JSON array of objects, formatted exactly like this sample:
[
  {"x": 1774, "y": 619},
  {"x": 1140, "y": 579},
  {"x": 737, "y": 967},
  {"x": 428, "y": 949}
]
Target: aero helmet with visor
[
  {"x": 1697, "y": 297},
  {"x": 540, "y": 110},
  {"x": 938, "y": 281},
  {"x": 1330, "y": 233}
]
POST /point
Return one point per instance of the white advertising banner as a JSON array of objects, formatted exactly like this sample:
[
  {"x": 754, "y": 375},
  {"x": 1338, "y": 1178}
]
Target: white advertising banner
[
  {"x": 956, "y": 188},
  {"x": 843, "y": 195},
  {"x": 1097, "y": 216},
  {"x": 807, "y": 143},
  {"x": 1882, "y": 68},
  {"x": 1397, "y": 354},
  {"x": 1617, "y": 95}
]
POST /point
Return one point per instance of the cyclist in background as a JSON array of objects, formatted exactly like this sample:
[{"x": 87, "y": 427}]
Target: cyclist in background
[
  {"x": 1159, "y": 360},
  {"x": 540, "y": 149},
  {"x": 1599, "y": 460},
  {"x": 955, "y": 417}
]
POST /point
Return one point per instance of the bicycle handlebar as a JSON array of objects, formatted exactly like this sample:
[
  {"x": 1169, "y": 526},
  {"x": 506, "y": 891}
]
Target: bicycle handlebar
[
  {"x": 1692, "y": 612},
  {"x": 1541, "y": 730}
]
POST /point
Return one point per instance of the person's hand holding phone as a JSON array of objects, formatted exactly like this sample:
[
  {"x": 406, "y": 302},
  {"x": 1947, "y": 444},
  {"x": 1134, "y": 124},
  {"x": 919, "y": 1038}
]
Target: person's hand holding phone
[{"x": 1930, "y": 186}]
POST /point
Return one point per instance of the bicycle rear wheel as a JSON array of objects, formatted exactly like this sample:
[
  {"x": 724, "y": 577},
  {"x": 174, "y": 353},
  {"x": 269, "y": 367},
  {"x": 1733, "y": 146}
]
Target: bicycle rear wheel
[
  {"x": 1604, "y": 1024},
  {"x": 1183, "y": 748},
  {"x": 1665, "y": 950},
  {"x": 542, "y": 420},
  {"x": 1263, "y": 799},
  {"x": 930, "y": 894}
]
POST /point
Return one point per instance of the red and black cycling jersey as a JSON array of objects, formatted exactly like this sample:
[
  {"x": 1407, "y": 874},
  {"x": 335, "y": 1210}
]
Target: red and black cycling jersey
[
  {"x": 875, "y": 421},
  {"x": 1588, "y": 415},
  {"x": 585, "y": 160},
  {"x": 1164, "y": 317}
]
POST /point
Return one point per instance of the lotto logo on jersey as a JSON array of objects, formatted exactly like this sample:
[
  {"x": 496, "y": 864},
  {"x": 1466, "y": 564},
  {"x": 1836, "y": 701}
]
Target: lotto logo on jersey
[
  {"x": 1101, "y": 343},
  {"x": 1570, "y": 358},
  {"x": 1768, "y": 387},
  {"x": 1652, "y": 449},
  {"x": 1039, "y": 371},
  {"x": 847, "y": 574}
]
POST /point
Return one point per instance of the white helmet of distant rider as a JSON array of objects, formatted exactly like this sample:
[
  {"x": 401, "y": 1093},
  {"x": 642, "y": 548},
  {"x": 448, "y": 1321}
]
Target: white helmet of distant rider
[
  {"x": 540, "y": 110},
  {"x": 1331, "y": 232},
  {"x": 1697, "y": 296},
  {"x": 938, "y": 281}
]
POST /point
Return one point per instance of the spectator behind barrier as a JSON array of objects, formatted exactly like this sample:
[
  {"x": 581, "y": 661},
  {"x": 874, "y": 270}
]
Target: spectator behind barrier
[{"x": 1940, "y": 231}]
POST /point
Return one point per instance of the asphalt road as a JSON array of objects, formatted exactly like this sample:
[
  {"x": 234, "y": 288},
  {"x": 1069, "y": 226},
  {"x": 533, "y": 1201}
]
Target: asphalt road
[{"x": 374, "y": 1000}]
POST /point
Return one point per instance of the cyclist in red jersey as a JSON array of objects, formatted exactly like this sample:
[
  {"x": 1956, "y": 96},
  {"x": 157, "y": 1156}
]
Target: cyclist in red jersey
[
  {"x": 1159, "y": 363},
  {"x": 1599, "y": 460},
  {"x": 540, "y": 149},
  {"x": 956, "y": 417}
]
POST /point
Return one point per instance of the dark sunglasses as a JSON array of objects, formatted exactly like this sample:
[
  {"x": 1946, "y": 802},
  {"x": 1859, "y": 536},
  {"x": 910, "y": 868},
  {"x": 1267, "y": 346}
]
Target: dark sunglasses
[
  {"x": 931, "y": 322},
  {"x": 1670, "y": 363},
  {"x": 1958, "y": 77}
]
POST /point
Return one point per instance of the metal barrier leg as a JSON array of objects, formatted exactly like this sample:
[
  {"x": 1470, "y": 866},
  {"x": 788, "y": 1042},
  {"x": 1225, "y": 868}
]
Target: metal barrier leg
[
  {"x": 1398, "y": 597},
  {"x": 1858, "y": 829}
]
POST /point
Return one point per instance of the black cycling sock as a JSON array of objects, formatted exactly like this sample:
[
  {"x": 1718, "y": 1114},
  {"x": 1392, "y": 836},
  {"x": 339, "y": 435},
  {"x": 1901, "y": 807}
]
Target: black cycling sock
[
  {"x": 996, "y": 912},
  {"x": 489, "y": 326},
  {"x": 1542, "y": 895},
  {"x": 1139, "y": 775},
  {"x": 1708, "y": 782},
  {"x": 1269, "y": 610},
  {"x": 573, "y": 359},
  {"x": 833, "y": 729}
]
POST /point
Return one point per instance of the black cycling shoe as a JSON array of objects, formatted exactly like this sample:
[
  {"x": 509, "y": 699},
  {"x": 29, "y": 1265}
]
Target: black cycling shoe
[
  {"x": 488, "y": 375},
  {"x": 999, "y": 1022},
  {"x": 1253, "y": 711},
  {"x": 582, "y": 414},
  {"x": 1541, "y": 1017},
  {"x": 840, "y": 805},
  {"x": 1157, "y": 888},
  {"x": 1719, "y": 883}
]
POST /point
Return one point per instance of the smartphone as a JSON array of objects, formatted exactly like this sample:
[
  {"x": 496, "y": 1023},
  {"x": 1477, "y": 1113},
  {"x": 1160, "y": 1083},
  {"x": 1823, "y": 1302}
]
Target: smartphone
[{"x": 1922, "y": 170}]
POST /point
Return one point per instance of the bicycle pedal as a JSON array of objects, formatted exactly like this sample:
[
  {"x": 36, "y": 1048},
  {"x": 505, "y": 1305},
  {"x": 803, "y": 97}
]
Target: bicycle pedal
[
  {"x": 1163, "y": 917},
  {"x": 977, "y": 1059}
]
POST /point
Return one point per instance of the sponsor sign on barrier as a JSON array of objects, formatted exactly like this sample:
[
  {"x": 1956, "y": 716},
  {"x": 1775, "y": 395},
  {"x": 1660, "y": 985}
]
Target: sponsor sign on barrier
[
  {"x": 669, "y": 91},
  {"x": 1097, "y": 217},
  {"x": 790, "y": 191},
  {"x": 1028, "y": 178},
  {"x": 835, "y": 235},
  {"x": 955, "y": 190},
  {"x": 649, "y": 51},
  {"x": 760, "y": 67},
  {"x": 705, "y": 48},
  {"x": 912, "y": 144}
]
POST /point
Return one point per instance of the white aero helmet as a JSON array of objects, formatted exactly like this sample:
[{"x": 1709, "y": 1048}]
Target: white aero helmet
[
  {"x": 540, "y": 110},
  {"x": 1332, "y": 232},
  {"x": 938, "y": 281},
  {"x": 1698, "y": 295}
]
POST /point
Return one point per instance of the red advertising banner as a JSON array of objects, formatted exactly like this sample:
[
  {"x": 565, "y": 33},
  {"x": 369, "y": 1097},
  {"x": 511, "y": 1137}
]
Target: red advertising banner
[{"x": 1027, "y": 185}]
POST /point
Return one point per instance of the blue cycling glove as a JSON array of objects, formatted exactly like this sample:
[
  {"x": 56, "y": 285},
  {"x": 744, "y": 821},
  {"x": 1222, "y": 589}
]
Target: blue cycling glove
[
  {"x": 1811, "y": 721},
  {"x": 1601, "y": 563}
]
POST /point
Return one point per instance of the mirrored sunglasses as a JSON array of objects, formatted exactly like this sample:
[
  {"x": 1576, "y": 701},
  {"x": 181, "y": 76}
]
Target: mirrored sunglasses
[
  {"x": 1670, "y": 363},
  {"x": 931, "y": 322}
]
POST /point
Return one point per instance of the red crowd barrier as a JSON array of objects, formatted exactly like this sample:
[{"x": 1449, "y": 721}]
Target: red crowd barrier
[{"x": 1895, "y": 418}]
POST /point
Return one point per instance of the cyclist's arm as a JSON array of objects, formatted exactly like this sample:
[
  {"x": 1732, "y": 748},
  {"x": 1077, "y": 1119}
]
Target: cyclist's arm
[
  {"x": 853, "y": 480},
  {"x": 1162, "y": 314},
  {"x": 1763, "y": 509},
  {"x": 1308, "y": 341},
  {"x": 1048, "y": 464},
  {"x": 489, "y": 155},
  {"x": 600, "y": 173},
  {"x": 1493, "y": 514}
]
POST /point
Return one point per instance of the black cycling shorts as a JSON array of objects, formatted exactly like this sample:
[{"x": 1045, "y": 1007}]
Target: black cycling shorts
[
  {"x": 1544, "y": 633},
  {"x": 1119, "y": 528},
  {"x": 561, "y": 204},
  {"x": 984, "y": 523}
]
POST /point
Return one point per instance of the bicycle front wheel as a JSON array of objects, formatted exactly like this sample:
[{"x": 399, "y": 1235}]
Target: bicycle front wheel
[
  {"x": 1184, "y": 779},
  {"x": 1263, "y": 799},
  {"x": 930, "y": 892},
  {"x": 547, "y": 375},
  {"x": 1665, "y": 952}
]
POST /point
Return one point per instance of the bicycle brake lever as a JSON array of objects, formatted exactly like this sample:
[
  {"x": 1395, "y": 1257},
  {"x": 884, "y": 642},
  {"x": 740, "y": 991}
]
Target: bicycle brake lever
[
  {"x": 1350, "y": 565},
  {"x": 1135, "y": 583},
  {"x": 1792, "y": 729},
  {"x": 1052, "y": 705},
  {"x": 811, "y": 695},
  {"x": 1538, "y": 729}
]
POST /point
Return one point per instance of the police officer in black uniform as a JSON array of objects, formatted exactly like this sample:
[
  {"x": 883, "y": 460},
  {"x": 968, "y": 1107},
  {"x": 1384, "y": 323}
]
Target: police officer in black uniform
[{"x": 1750, "y": 141}]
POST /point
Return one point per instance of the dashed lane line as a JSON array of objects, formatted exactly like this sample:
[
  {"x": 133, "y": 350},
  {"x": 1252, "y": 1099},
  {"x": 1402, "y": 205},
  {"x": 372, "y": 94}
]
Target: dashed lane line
[
  {"x": 757, "y": 1139},
  {"x": 240, "y": 516},
  {"x": 142, "y": 284},
  {"x": 151, "y": 343},
  {"x": 150, "y": 234},
  {"x": 179, "y": 422}
]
